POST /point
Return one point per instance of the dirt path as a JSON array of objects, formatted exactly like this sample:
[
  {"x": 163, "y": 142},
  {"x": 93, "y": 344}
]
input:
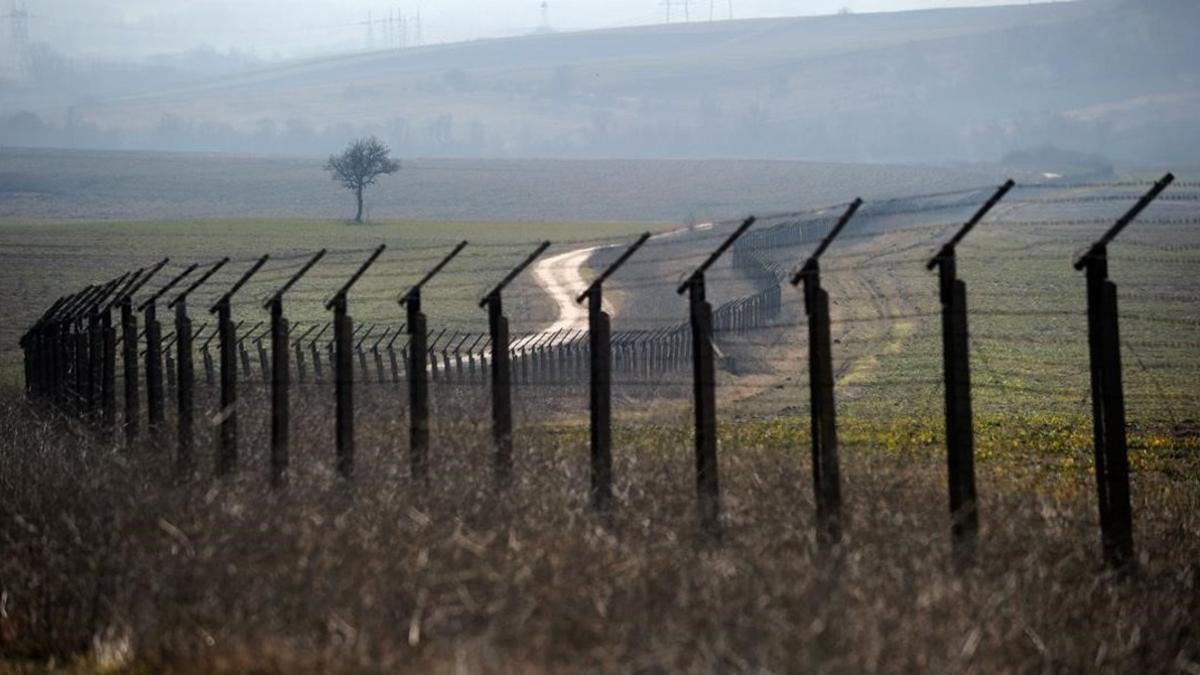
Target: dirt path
[{"x": 561, "y": 276}]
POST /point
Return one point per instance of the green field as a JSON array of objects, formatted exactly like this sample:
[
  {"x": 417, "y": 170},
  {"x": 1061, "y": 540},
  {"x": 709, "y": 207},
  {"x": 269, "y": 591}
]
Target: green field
[
  {"x": 115, "y": 563},
  {"x": 42, "y": 261}
]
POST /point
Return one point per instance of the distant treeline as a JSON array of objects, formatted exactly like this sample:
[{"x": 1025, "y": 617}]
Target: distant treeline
[{"x": 752, "y": 132}]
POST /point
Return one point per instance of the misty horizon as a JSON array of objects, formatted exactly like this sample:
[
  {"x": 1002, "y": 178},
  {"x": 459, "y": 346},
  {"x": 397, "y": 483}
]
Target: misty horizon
[
  {"x": 274, "y": 30},
  {"x": 1085, "y": 83}
]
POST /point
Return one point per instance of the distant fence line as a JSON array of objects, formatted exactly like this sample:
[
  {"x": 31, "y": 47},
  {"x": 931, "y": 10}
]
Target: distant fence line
[{"x": 71, "y": 356}]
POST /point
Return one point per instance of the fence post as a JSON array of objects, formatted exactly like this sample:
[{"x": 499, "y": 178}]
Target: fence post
[
  {"x": 343, "y": 366},
  {"x": 501, "y": 383},
  {"x": 704, "y": 387},
  {"x": 129, "y": 357},
  {"x": 301, "y": 371},
  {"x": 377, "y": 356},
  {"x": 826, "y": 475},
  {"x": 37, "y": 362},
  {"x": 704, "y": 395},
  {"x": 475, "y": 359},
  {"x": 154, "y": 377},
  {"x": 81, "y": 365},
  {"x": 155, "y": 400},
  {"x": 169, "y": 371},
  {"x": 362, "y": 356},
  {"x": 318, "y": 372},
  {"x": 418, "y": 383},
  {"x": 185, "y": 388},
  {"x": 226, "y": 461},
  {"x": 244, "y": 356},
  {"x": 960, "y": 435},
  {"x": 209, "y": 368},
  {"x": 64, "y": 344},
  {"x": 227, "y": 438},
  {"x": 108, "y": 375},
  {"x": 186, "y": 378},
  {"x": 391, "y": 350},
  {"x": 1108, "y": 396},
  {"x": 95, "y": 347},
  {"x": 61, "y": 344},
  {"x": 95, "y": 333},
  {"x": 93, "y": 344},
  {"x": 600, "y": 339}
]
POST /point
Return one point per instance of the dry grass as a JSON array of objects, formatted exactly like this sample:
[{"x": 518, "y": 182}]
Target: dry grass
[{"x": 110, "y": 565}]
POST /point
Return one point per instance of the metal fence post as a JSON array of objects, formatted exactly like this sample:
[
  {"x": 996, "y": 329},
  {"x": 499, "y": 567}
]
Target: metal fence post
[
  {"x": 600, "y": 333},
  {"x": 826, "y": 474},
  {"x": 704, "y": 387},
  {"x": 154, "y": 376},
  {"x": 227, "y": 441},
  {"x": 129, "y": 362},
  {"x": 155, "y": 400},
  {"x": 227, "y": 438},
  {"x": 108, "y": 366},
  {"x": 501, "y": 383},
  {"x": 418, "y": 389},
  {"x": 600, "y": 340},
  {"x": 297, "y": 346},
  {"x": 343, "y": 369},
  {"x": 186, "y": 378},
  {"x": 1108, "y": 396},
  {"x": 704, "y": 395},
  {"x": 960, "y": 436},
  {"x": 318, "y": 372},
  {"x": 185, "y": 388}
]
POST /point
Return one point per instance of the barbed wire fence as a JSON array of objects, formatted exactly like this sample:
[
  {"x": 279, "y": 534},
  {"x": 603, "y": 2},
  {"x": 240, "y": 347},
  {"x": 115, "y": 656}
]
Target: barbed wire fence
[{"x": 245, "y": 356}]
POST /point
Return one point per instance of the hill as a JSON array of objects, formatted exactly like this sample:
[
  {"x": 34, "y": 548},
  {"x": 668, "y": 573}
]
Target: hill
[{"x": 1106, "y": 78}]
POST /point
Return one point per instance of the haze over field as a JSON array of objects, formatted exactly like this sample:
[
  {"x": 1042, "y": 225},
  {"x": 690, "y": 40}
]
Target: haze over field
[{"x": 1105, "y": 78}]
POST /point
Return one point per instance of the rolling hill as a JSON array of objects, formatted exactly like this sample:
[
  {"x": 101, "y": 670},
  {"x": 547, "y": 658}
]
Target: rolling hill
[{"x": 1112, "y": 78}]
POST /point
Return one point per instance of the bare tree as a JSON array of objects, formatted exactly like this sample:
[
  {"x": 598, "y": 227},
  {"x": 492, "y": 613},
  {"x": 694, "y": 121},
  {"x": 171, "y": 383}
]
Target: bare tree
[{"x": 359, "y": 165}]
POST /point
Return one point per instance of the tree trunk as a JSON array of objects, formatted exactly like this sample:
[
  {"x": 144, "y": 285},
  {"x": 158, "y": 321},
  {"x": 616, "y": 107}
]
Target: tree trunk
[{"x": 358, "y": 216}]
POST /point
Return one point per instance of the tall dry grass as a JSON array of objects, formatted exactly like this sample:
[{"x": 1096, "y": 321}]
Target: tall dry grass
[{"x": 109, "y": 562}]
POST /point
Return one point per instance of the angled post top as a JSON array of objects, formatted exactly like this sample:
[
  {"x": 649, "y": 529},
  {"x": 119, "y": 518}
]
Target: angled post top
[
  {"x": 712, "y": 258},
  {"x": 198, "y": 282},
  {"x": 947, "y": 250},
  {"x": 432, "y": 273},
  {"x": 224, "y": 299},
  {"x": 287, "y": 286},
  {"x": 341, "y": 294},
  {"x": 513, "y": 274},
  {"x": 613, "y": 267},
  {"x": 810, "y": 265},
  {"x": 1097, "y": 249}
]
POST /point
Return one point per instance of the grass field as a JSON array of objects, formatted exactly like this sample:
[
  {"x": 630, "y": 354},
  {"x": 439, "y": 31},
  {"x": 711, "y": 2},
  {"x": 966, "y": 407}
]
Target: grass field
[
  {"x": 45, "y": 260},
  {"x": 61, "y": 185},
  {"x": 113, "y": 564}
]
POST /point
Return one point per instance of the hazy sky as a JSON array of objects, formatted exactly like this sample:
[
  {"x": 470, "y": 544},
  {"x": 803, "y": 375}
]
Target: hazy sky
[{"x": 284, "y": 28}]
